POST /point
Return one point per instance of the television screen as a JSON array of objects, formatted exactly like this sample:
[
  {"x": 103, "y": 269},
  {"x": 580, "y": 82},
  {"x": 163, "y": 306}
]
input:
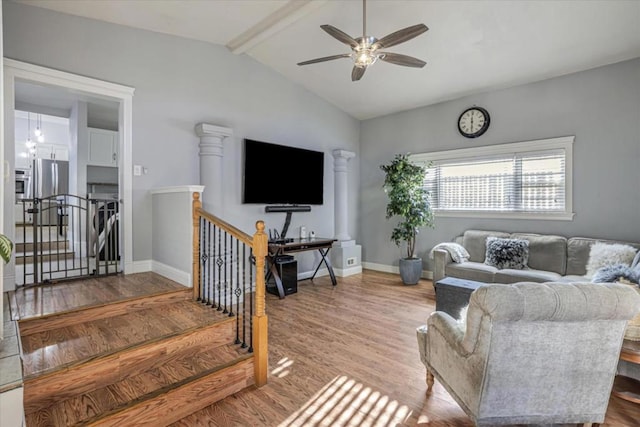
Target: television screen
[{"x": 277, "y": 174}]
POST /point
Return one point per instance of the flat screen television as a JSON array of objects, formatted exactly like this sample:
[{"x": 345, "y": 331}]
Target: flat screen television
[{"x": 277, "y": 174}]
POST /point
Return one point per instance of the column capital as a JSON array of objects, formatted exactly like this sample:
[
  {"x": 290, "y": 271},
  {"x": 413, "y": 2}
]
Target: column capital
[
  {"x": 343, "y": 154},
  {"x": 206, "y": 129}
]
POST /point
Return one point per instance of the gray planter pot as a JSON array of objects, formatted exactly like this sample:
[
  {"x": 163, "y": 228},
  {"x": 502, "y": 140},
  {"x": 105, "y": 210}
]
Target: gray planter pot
[{"x": 410, "y": 270}]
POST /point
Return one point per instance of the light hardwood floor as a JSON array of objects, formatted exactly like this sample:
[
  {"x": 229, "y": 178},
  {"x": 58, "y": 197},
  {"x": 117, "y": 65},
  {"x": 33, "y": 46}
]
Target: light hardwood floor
[
  {"x": 347, "y": 356},
  {"x": 338, "y": 356}
]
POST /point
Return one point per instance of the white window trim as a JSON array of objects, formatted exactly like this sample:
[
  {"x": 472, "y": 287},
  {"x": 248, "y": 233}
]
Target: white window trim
[{"x": 564, "y": 142}]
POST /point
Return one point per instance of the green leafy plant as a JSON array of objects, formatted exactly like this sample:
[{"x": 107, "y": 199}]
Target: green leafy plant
[
  {"x": 6, "y": 247},
  {"x": 404, "y": 184}
]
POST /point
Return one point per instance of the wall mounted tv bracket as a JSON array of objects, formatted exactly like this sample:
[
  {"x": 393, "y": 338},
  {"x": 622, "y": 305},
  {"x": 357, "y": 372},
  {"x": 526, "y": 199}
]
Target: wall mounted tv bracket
[{"x": 288, "y": 209}]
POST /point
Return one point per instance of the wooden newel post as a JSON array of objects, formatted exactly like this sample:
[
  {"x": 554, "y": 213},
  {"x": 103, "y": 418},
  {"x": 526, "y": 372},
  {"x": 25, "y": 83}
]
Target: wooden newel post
[
  {"x": 260, "y": 350},
  {"x": 195, "y": 278}
]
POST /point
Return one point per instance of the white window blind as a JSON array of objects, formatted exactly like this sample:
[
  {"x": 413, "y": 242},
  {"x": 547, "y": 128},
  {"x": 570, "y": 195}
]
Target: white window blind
[{"x": 520, "y": 178}]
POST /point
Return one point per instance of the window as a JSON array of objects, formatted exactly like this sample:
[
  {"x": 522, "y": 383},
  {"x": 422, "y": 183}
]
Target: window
[{"x": 520, "y": 180}]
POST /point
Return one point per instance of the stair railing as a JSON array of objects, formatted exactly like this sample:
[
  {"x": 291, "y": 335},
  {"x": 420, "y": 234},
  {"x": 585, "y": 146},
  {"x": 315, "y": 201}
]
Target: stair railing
[{"x": 226, "y": 261}]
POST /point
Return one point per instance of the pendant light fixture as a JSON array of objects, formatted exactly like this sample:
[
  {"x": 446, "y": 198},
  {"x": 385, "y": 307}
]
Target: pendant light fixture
[
  {"x": 38, "y": 130},
  {"x": 29, "y": 142}
]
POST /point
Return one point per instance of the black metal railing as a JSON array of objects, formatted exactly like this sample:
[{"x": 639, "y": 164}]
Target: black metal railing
[
  {"x": 226, "y": 276},
  {"x": 65, "y": 237}
]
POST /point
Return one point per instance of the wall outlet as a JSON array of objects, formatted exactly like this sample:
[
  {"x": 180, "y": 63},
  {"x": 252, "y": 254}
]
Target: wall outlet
[
  {"x": 303, "y": 232},
  {"x": 137, "y": 170},
  {"x": 351, "y": 261}
]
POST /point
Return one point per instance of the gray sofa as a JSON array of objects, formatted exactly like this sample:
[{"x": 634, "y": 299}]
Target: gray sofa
[{"x": 551, "y": 259}]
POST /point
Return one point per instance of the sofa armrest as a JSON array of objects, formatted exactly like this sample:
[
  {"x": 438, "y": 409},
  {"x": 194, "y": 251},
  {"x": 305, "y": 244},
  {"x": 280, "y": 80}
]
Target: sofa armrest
[
  {"x": 440, "y": 260},
  {"x": 449, "y": 328}
]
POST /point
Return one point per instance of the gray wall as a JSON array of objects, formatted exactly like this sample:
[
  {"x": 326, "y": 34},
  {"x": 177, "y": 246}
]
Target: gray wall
[
  {"x": 601, "y": 107},
  {"x": 180, "y": 83}
]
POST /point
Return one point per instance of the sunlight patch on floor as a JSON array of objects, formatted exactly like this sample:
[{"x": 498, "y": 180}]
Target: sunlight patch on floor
[
  {"x": 346, "y": 402},
  {"x": 282, "y": 370}
]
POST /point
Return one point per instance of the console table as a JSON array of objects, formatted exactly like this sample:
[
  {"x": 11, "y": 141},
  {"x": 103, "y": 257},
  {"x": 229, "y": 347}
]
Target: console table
[
  {"x": 289, "y": 246},
  {"x": 624, "y": 387}
]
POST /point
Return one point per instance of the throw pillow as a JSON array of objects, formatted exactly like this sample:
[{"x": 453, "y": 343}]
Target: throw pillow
[
  {"x": 611, "y": 273},
  {"x": 507, "y": 253},
  {"x": 458, "y": 252},
  {"x": 603, "y": 254}
]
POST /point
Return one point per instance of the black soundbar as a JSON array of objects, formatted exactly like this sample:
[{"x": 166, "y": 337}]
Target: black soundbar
[{"x": 287, "y": 208}]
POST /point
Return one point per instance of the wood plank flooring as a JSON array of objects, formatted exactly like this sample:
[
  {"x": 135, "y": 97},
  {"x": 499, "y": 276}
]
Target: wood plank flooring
[
  {"x": 30, "y": 302},
  {"x": 347, "y": 356}
]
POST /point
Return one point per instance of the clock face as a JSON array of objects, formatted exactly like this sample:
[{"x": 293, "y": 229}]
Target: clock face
[{"x": 473, "y": 122}]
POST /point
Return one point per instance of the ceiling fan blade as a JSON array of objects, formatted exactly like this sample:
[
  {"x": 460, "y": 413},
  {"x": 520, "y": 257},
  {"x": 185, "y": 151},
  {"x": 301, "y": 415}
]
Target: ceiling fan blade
[
  {"x": 401, "y": 36},
  {"x": 357, "y": 73},
  {"x": 340, "y": 35},
  {"x": 399, "y": 59},
  {"x": 325, "y": 58}
]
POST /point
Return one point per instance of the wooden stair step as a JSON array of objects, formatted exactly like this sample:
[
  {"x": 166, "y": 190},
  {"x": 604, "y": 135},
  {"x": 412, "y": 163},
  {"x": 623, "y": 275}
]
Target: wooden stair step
[
  {"x": 95, "y": 312},
  {"x": 42, "y": 300},
  {"x": 47, "y": 256},
  {"x": 95, "y": 372},
  {"x": 22, "y": 248},
  {"x": 161, "y": 395},
  {"x": 74, "y": 344}
]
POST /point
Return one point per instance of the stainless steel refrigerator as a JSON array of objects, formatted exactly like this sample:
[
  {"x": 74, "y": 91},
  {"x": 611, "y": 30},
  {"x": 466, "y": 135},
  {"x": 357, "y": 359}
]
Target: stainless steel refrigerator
[{"x": 49, "y": 178}]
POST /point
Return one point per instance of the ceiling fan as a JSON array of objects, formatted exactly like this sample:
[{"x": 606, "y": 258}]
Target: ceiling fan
[{"x": 366, "y": 49}]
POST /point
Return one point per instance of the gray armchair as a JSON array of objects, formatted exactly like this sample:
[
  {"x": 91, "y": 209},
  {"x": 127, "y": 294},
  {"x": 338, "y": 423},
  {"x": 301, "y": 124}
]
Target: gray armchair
[{"x": 531, "y": 353}]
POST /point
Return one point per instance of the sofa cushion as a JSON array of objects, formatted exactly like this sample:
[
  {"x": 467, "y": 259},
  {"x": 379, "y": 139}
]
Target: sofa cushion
[
  {"x": 474, "y": 242},
  {"x": 573, "y": 278},
  {"x": 578, "y": 250},
  {"x": 507, "y": 253},
  {"x": 546, "y": 252},
  {"x": 477, "y": 271},
  {"x": 513, "y": 276},
  {"x": 606, "y": 254}
]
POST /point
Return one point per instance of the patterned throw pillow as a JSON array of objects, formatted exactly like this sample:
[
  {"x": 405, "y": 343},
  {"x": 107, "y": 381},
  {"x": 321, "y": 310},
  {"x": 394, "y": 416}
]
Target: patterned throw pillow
[
  {"x": 603, "y": 254},
  {"x": 507, "y": 253}
]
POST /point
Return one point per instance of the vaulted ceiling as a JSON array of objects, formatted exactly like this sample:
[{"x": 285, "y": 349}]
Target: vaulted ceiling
[{"x": 471, "y": 46}]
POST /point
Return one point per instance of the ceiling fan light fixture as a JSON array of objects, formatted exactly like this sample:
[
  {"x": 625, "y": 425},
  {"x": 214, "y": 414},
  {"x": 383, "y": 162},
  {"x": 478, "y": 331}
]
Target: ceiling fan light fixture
[
  {"x": 364, "y": 58},
  {"x": 364, "y": 50}
]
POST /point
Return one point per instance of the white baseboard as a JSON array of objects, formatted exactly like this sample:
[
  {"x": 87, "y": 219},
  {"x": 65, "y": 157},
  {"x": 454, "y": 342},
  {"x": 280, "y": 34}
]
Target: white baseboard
[
  {"x": 138, "y": 267},
  {"x": 344, "y": 272},
  {"x": 172, "y": 273},
  {"x": 426, "y": 274},
  {"x": 12, "y": 407},
  {"x": 307, "y": 274},
  {"x": 9, "y": 283}
]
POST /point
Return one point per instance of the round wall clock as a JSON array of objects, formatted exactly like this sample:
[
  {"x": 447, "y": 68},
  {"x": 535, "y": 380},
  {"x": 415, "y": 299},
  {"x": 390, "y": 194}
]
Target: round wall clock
[{"x": 473, "y": 122}]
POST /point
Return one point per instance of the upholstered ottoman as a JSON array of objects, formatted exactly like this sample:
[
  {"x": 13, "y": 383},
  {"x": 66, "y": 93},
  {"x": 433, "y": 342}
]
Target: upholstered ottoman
[{"x": 452, "y": 294}]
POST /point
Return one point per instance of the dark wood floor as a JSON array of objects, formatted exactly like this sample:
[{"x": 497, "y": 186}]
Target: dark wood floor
[{"x": 347, "y": 356}]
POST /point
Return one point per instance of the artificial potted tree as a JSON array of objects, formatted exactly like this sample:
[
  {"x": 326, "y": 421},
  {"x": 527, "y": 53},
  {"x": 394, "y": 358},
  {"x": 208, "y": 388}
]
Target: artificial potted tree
[{"x": 408, "y": 199}]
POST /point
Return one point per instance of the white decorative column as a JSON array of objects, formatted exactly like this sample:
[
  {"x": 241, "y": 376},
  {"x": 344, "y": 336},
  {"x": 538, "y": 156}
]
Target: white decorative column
[
  {"x": 341, "y": 217},
  {"x": 211, "y": 156},
  {"x": 345, "y": 255}
]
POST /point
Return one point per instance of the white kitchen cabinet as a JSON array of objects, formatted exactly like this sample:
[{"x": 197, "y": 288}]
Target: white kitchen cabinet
[
  {"x": 103, "y": 147},
  {"x": 52, "y": 152},
  {"x": 23, "y": 157}
]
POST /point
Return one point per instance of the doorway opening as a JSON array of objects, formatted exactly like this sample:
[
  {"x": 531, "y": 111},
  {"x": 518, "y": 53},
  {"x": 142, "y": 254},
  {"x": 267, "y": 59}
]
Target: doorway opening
[{"x": 82, "y": 226}]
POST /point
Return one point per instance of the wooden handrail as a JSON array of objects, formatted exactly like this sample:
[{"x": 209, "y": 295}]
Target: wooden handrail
[
  {"x": 235, "y": 232},
  {"x": 259, "y": 247}
]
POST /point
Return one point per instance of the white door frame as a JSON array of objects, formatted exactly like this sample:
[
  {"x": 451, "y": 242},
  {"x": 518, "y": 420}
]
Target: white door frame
[{"x": 123, "y": 95}]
